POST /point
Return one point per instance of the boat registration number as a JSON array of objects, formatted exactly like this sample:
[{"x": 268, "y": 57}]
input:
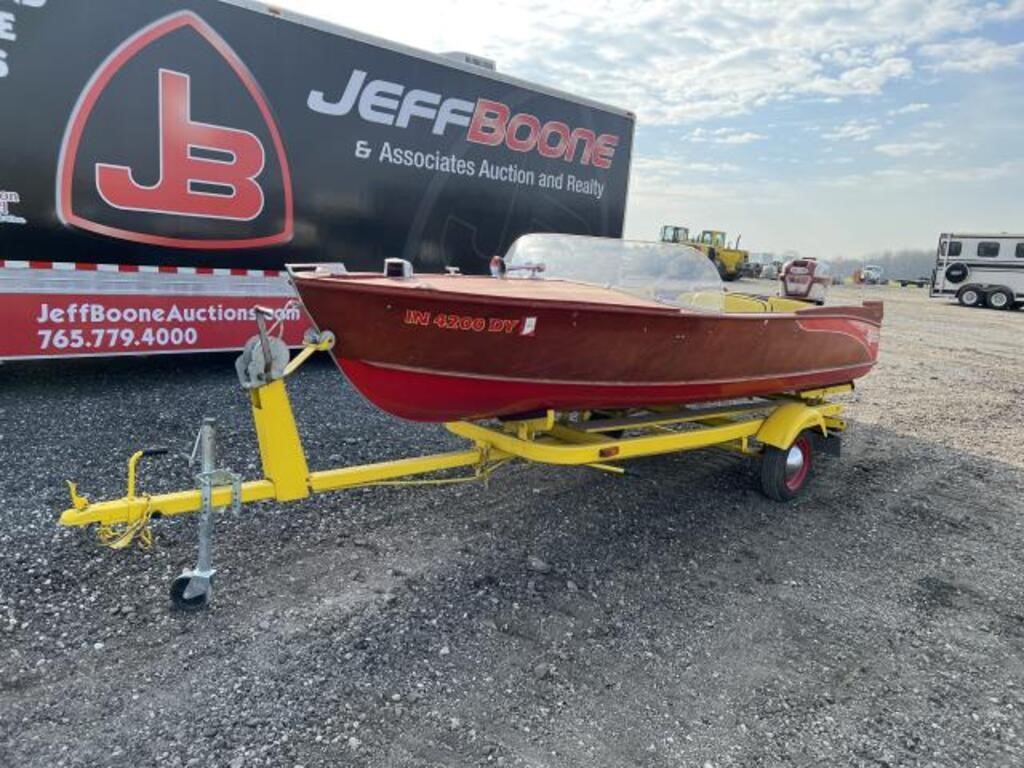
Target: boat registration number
[{"x": 471, "y": 323}]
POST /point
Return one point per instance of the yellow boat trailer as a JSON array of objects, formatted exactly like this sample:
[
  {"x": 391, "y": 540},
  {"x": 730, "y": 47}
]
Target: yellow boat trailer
[{"x": 784, "y": 430}]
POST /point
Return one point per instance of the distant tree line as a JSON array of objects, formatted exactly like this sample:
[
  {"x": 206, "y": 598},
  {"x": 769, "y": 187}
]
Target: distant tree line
[{"x": 907, "y": 263}]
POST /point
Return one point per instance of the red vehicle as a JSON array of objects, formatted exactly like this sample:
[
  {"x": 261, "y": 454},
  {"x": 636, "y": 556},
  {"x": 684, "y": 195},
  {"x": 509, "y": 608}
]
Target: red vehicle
[
  {"x": 642, "y": 330},
  {"x": 805, "y": 280}
]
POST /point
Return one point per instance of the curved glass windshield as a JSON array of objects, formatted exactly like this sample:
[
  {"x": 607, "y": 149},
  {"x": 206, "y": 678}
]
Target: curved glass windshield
[{"x": 671, "y": 274}]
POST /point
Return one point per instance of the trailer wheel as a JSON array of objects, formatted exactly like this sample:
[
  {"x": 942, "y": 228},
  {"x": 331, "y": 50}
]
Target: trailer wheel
[
  {"x": 187, "y": 604},
  {"x": 784, "y": 471},
  {"x": 970, "y": 297},
  {"x": 1000, "y": 298}
]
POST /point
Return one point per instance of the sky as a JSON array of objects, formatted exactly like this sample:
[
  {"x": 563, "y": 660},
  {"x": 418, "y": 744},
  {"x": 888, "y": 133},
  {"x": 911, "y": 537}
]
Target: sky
[{"x": 835, "y": 128}]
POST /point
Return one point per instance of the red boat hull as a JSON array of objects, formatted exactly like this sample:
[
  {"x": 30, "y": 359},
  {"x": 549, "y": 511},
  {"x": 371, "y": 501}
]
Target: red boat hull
[
  {"x": 429, "y": 396},
  {"x": 440, "y": 348}
]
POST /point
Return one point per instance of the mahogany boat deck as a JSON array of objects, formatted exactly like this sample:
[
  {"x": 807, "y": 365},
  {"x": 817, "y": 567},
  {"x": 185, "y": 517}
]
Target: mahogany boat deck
[{"x": 548, "y": 289}]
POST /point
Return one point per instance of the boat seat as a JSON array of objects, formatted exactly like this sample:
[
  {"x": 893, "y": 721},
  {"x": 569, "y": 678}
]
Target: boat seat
[{"x": 747, "y": 303}]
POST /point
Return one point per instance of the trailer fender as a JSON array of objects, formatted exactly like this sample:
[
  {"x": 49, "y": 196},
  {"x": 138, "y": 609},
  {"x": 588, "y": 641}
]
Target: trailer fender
[{"x": 787, "y": 421}]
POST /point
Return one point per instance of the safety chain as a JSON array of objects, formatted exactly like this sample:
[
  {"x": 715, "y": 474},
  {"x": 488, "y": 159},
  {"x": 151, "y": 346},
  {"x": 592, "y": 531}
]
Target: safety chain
[{"x": 121, "y": 536}]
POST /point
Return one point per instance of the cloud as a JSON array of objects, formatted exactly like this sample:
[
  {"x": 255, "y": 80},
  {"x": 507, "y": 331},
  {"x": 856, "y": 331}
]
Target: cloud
[
  {"x": 907, "y": 177},
  {"x": 853, "y": 130},
  {"x": 972, "y": 55},
  {"x": 710, "y": 167},
  {"x": 909, "y": 109},
  {"x": 661, "y": 177},
  {"x": 1013, "y": 10},
  {"x": 1007, "y": 169},
  {"x": 866, "y": 80},
  {"x": 724, "y": 136},
  {"x": 686, "y": 61},
  {"x": 910, "y": 148}
]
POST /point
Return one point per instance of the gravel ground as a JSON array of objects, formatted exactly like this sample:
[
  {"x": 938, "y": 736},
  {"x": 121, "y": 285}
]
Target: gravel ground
[
  {"x": 560, "y": 617},
  {"x": 947, "y": 373}
]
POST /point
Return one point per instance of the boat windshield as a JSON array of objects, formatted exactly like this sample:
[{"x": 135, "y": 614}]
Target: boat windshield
[{"x": 677, "y": 275}]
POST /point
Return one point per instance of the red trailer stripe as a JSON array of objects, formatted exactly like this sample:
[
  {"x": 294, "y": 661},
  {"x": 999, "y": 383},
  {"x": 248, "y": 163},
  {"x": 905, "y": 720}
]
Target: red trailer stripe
[{"x": 163, "y": 269}]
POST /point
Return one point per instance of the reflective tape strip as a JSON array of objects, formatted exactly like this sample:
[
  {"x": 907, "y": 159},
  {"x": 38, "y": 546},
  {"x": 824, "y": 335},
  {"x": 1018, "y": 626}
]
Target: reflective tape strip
[{"x": 78, "y": 266}]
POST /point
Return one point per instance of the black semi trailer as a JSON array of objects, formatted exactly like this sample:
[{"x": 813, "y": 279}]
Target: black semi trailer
[{"x": 162, "y": 160}]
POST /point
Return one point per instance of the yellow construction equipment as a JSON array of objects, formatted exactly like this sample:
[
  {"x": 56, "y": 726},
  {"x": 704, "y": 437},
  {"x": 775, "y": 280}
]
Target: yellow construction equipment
[{"x": 727, "y": 257}]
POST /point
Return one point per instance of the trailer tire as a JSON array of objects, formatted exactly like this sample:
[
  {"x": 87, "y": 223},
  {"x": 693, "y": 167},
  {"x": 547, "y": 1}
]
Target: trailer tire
[
  {"x": 970, "y": 296},
  {"x": 785, "y": 471},
  {"x": 1000, "y": 298}
]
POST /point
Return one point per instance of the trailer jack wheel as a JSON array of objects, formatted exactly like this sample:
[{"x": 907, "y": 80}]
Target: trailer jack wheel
[
  {"x": 190, "y": 592},
  {"x": 785, "y": 471}
]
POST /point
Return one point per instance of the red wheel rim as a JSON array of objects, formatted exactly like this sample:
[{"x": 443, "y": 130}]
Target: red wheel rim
[{"x": 798, "y": 463}]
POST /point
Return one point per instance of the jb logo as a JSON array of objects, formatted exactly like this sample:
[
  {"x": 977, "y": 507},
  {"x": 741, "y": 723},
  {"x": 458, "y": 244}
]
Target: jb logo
[
  {"x": 205, "y": 170},
  {"x": 208, "y": 171}
]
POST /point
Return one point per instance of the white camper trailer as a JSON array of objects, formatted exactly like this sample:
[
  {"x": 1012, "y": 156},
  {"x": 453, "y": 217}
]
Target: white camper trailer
[{"x": 980, "y": 270}]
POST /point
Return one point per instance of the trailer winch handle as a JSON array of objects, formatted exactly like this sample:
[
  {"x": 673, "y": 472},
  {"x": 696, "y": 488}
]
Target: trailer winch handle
[{"x": 154, "y": 452}]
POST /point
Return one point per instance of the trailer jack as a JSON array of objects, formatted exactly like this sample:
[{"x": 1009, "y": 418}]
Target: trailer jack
[
  {"x": 782, "y": 429},
  {"x": 192, "y": 589}
]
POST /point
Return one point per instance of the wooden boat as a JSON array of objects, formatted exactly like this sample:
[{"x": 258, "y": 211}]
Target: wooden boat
[{"x": 459, "y": 347}]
